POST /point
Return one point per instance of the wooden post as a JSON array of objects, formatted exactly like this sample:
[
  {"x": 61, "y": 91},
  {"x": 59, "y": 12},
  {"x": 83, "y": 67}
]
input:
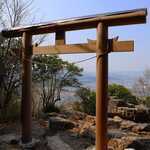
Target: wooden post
[
  {"x": 101, "y": 87},
  {"x": 26, "y": 114}
]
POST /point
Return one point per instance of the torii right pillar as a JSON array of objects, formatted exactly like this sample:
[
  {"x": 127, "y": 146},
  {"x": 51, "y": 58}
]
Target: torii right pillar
[
  {"x": 102, "y": 70},
  {"x": 101, "y": 87}
]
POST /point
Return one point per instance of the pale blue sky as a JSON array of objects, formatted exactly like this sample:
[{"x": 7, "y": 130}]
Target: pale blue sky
[{"x": 48, "y": 10}]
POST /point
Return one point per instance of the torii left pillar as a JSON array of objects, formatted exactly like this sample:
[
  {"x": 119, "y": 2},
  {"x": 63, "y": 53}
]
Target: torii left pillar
[{"x": 26, "y": 112}]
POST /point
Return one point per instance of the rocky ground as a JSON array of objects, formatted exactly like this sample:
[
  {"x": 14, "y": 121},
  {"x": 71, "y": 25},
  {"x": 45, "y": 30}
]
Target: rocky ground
[{"x": 76, "y": 131}]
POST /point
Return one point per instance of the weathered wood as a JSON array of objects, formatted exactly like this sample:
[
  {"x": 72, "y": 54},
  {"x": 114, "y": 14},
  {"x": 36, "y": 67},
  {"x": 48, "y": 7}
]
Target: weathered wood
[
  {"x": 60, "y": 38},
  {"x": 101, "y": 87},
  {"x": 117, "y": 46},
  {"x": 26, "y": 114},
  {"x": 120, "y": 46},
  {"x": 101, "y": 46},
  {"x": 111, "y": 19},
  {"x": 113, "y": 45},
  {"x": 65, "y": 49}
]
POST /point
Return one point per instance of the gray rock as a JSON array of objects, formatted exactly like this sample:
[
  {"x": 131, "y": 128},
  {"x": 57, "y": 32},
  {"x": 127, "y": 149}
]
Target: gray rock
[
  {"x": 56, "y": 143},
  {"x": 89, "y": 132},
  {"x": 115, "y": 134},
  {"x": 91, "y": 148},
  {"x": 38, "y": 131},
  {"x": 94, "y": 148},
  {"x": 7, "y": 138},
  {"x": 126, "y": 124},
  {"x": 141, "y": 127},
  {"x": 140, "y": 144},
  {"x": 30, "y": 144},
  {"x": 117, "y": 119},
  {"x": 146, "y": 128},
  {"x": 58, "y": 123},
  {"x": 113, "y": 124}
]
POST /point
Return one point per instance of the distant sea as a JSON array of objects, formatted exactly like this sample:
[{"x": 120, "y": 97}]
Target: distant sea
[{"x": 126, "y": 78}]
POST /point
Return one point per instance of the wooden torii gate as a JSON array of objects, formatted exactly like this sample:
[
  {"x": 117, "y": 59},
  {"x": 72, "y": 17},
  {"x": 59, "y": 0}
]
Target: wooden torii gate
[{"x": 101, "y": 47}]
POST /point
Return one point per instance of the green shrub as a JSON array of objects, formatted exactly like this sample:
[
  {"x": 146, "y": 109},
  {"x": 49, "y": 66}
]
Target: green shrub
[
  {"x": 77, "y": 106},
  {"x": 88, "y": 100},
  {"x": 88, "y": 97},
  {"x": 147, "y": 101},
  {"x": 121, "y": 92},
  {"x": 11, "y": 113},
  {"x": 51, "y": 108}
]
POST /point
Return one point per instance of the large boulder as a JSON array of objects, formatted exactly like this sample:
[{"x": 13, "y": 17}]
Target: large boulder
[{"x": 58, "y": 123}]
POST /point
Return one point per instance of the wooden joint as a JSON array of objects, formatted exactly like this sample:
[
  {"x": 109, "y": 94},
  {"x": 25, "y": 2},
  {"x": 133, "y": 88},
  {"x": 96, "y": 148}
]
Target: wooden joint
[
  {"x": 60, "y": 37},
  {"x": 117, "y": 46},
  {"x": 27, "y": 48},
  {"x": 120, "y": 46}
]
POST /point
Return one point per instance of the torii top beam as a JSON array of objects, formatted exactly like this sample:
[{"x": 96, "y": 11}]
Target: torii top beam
[{"x": 129, "y": 17}]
